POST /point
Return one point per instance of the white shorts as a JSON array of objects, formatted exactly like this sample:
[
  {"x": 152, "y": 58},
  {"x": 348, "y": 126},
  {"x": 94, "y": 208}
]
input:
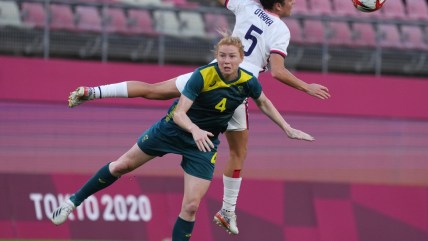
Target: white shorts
[{"x": 239, "y": 121}]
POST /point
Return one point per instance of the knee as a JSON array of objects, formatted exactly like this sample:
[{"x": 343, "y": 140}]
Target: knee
[
  {"x": 238, "y": 153},
  {"x": 118, "y": 168},
  {"x": 190, "y": 208}
]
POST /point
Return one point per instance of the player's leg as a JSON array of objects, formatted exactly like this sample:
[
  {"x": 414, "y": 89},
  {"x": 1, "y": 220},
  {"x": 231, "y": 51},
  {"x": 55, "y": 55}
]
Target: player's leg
[
  {"x": 194, "y": 190},
  {"x": 105, "y": 176},
  {"x": 237, "y": 138},
  {"x": 130, "y": 89}
]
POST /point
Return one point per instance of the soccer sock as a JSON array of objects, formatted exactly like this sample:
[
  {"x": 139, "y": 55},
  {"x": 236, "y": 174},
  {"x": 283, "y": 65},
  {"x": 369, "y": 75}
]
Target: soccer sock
[
  {"x": 102, "y": 179},
  {"x": 231, "y": 191},
  {"x": 182, "y": 230},
  {"x": 111, "y": 91}
]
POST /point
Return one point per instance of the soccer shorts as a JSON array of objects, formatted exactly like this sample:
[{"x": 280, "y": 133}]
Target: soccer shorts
[
  {"x": 163, "y": 138},
  {"x": 239, "y": 121}
]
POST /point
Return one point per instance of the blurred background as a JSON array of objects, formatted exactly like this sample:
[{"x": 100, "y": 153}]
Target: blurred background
[{"x": 365, "y": 178}]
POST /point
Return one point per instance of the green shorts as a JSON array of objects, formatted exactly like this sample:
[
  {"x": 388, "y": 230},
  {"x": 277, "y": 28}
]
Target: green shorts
[{"x": 164, "y": 137}]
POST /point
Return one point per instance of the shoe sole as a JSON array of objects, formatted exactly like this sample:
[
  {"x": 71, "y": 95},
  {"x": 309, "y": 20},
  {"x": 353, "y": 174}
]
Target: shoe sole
[{"x": 220, "y": 223}]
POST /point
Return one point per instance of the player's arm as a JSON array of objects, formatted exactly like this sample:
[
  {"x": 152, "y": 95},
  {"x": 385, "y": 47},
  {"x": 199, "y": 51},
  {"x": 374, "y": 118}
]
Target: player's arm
[
  {"x": 282, "y": 74},
  {"x": 266, "y": 106},
  {"x": 201, "y": 137}
]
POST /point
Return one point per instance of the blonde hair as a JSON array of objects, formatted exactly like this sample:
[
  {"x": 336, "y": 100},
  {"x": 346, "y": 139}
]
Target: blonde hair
[{"x": 230, "y": 40}]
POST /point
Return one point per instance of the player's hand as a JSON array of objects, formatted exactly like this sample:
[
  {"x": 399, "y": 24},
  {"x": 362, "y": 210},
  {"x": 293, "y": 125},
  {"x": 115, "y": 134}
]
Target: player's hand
[
  {"x": 202, "y": 140},
  {"x": 318, "y": 91},
  {"x": 298, "y": 134}
]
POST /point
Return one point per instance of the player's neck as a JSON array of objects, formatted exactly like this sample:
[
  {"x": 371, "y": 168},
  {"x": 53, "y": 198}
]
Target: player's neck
[{"x": 271, "y": 12}]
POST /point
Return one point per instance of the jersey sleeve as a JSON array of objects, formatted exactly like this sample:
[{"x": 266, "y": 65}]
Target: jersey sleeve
[
  {"x": 234, "y": 5},
  {"x": 194, "y": 85},
  {"x": 280, "y": 40},
  {"x": 255, "y": 88}
]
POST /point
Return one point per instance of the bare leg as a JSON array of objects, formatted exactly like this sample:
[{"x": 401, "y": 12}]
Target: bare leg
[
  {"x": 129, "y": 161},
  {"x": 158, "y": 91},
  {"x": 238, "y": 141},
  {"x": 194, "y": 190}
]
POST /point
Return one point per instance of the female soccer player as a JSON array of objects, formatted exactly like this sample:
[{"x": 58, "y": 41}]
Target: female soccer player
[
  {"x": 190, "y": 128},
  {"x": 266, "y": 38}
]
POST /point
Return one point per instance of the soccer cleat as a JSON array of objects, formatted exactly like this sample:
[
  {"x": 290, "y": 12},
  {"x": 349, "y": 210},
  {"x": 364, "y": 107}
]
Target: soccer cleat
[
  {"x": 61, "y": 213},
  {"x": 226, "y": 221},
  {"x": 80, "y": 95}
]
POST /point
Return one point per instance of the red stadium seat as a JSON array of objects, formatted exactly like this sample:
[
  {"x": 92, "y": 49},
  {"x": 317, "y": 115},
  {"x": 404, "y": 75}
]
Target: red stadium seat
[
  {"x": 33, "y": 14},
  {"x": 364, "y": 35},
  {"x": 117, "y": 21},
  {"x": 390, "y": 36},
  {"x": 318, "y": 7},
  {"x": 394, "y": 9},
  {"x": 295, "y": 30},
  {"x": 313, "y": 31},
  {"x": 88, "y": 19},
  {"x": 339, "y": 33},
  {"x": 140, "y": 22},
  {"x": 413, "y": 37},
  {"x": 62, "y": 17},
  {"x": 301, "y": 7},
  {"x": 417, "y": 9},
  {"x": 215, "y": 22}
]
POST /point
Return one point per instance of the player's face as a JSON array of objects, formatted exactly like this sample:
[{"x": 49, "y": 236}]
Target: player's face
[
  {"x": 229, "y": 58},
  {"x": 284, "y": 9}
]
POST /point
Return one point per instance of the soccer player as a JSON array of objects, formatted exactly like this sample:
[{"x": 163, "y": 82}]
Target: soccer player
[
  {"x": 266, "y": 39},
  {"x": 191, "y": 129}
]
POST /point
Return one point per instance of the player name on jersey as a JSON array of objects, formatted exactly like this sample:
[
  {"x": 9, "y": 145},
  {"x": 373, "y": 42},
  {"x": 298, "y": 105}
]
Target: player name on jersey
[{"x": 263, "y": 16}]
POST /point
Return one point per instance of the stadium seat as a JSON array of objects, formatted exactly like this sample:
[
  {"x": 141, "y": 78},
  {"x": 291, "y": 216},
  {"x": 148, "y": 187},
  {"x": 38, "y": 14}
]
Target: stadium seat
[
  {"x": 62, "y": 17},
  {"x": 295, "y": 30},
  {"x": 9, "y": 14},
  {"x": 144, "y": 2},
  {"x": 140, "y": 22},
  {"x": 413, "y": 37},
  {"x": 116, "y": 21},
  {"x": 192, "y": 24},
  {"x": 417, "y": 9},
  {"x": 301, "y": 7},
  {"x": 339, "y": 33},
  {"x": 33, "y": 14},
  {"x": 395, "y": 10},
  {"x": 166, "y": 22},
  {"x": 344, "y": 8},
  {"x": 313, "y": 31},
  {"x": 214, "y": 23},
  {"x": 88, "y": 19},
  {"x": 389, "y": 36},
  {"x": 318, "y": 7},
  {"x": 363, "y": 35},
  {"x": 181, "y": 3}
]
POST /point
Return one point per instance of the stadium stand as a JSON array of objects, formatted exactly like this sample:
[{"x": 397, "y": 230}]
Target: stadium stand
[
  {"x": 343, "y": 8},
  {"x": 140, "y": 22},
  {"x": 396, "y": 10},
  {"x": 339, "y": 33},
  {"x": 364, "y": 35},
  {"x": 389, "y": 36},
  {"x": 313, "y": 31},
  {"x": 413, "y": 38},
  {"x": 295, "y": 30},
  {"x": 192, "y": 24},
  {"x": 213, "y": 23},
  {"x": 167, "y": 22},
  {"x": 116, "y": 21},
  {"x": 9, "y": 14},
  {"x": 301, "y": 7}
]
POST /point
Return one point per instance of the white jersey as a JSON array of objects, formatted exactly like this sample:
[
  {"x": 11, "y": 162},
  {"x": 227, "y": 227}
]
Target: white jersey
[{"x": 261, "y": 32}]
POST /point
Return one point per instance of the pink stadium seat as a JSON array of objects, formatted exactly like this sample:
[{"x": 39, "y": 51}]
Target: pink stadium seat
[
  {"x": 364, "y": 35},
  {"x": 318, "y": 7},
  {"x": 33, "y": 14},
  {"x": 295, "y": 30},
  {"x": 417, "y": 9},
  {"x": 62, "y": 17},
  {"x": 413, "y": 37},
  {"x": 339, "y": 33},
  {"x": 390, "y": 36},
  {"x": 215, "y": 22},
  {"x": 301, "y": 7},
  {"x": 117, "y": 21},
  {"x": 88, "y": 19},
  {"x": 345, "y": 8},
  {"x": 395, "y": 9},
  {"x": 140, "y": 22},
  {"x": 313, "y": 31},
  {"x": 182, "y": 3}
]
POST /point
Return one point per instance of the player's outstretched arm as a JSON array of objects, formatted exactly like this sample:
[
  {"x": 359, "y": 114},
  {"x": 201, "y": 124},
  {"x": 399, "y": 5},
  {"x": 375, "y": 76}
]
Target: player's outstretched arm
[
  {"x": 269, "y": 109},
  {"x": 283, "y": 75}
]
